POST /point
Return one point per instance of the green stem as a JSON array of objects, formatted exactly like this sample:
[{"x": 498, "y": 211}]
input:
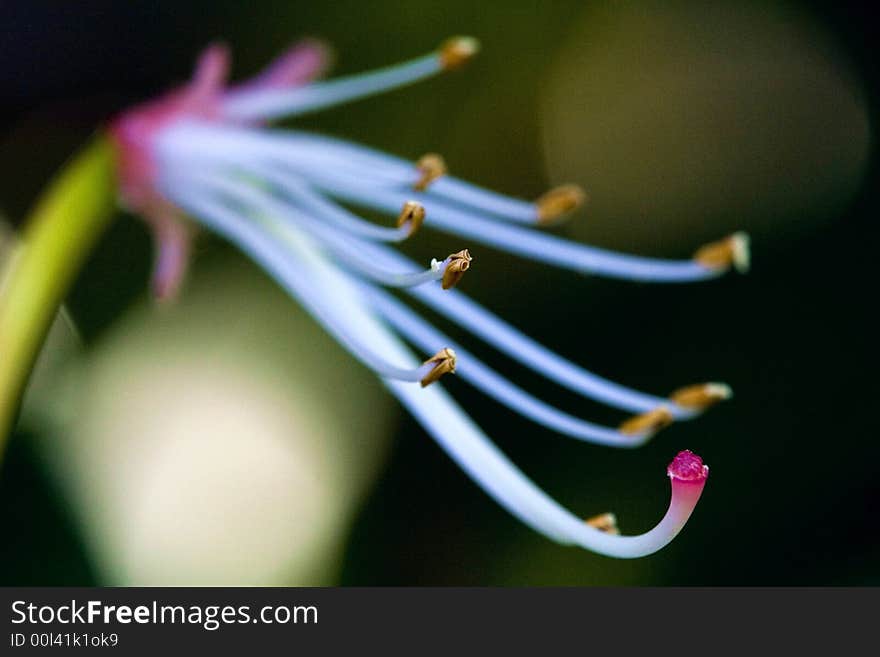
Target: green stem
[{"x": 58, "y": 236}]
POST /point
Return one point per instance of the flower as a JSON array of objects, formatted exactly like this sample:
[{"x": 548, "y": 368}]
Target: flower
[{"x": 204, "y": 151}]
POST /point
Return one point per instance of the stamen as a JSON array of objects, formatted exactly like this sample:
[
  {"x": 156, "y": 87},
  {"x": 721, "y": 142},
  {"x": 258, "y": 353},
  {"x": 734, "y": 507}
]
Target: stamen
[
  {"x": 390, "y": 170},
  {"x": 733, "y": 250},
  {"x": 485, "y": 202},
  {"x": 409, "y": 220},
  {"x": 324, "y": 208},
  {"x": 481, "y": 459},
  {"x": 558, "y": 202},
  {"x": 423, "y": 335},
  {"x": 342, "y": 316},
  {"x": 431, "y": 166},
  {"x": 604, "y": 522},
  {"x": 246, "y": 208},
  {"x": 457, "y": 264},
  {"x": 443, "y": 363},
  {"x": 301, "y": 149},
  {"x": 446, "y": 422},
  {"x": 499, "y": 477},
  {"x": 701, "y": 396},
  {"x": 456, "y": 51},
  {"x": 503, "y": 336},
  {"x": 359, "y": 254},
  {"x": 411, "y": 217},
  {"x": 385, "y": 169},
  {"x": 264, "y": 104},
  {"x": 351, "y": 252},
  {"x": 521, "y": 241},
  {"x": 647, "y": 423}
]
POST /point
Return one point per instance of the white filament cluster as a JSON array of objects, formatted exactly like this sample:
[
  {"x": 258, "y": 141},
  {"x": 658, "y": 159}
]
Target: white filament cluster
[{"x": 276, "y": 195}]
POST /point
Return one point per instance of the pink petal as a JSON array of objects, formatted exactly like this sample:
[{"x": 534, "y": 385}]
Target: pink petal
[
  {"x": 301, "y": 63},
  {"x": 173, "y": 240},
  {"x": 134, "y": 130},
  {"x": 209, "y": 77}
]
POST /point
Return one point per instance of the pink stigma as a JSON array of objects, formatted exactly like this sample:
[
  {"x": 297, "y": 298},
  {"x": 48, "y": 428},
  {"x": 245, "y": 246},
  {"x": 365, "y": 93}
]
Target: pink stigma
[{"x": 687, "y": 466}]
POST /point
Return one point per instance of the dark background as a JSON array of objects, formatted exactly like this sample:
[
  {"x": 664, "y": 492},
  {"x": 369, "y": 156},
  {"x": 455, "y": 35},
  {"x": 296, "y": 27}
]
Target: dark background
[{"x": 794, "y": 493}]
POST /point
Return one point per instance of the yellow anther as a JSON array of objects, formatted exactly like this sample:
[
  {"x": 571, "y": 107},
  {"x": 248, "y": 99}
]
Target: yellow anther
[
  {"x": 444, "y": 363},
  {"x": 604, "y": 522},
  {"x": 558, "y": 202},
  {"x": 732, "y": 251},
  {"x": 456, "y": 51},
  {"x": 647, "y": 423},
  {"x": 456, "y": 265},
  {"x": 701, "y": 395},
  {"x": 431, "y": 166},
  {"x": 411, "y": 216}
]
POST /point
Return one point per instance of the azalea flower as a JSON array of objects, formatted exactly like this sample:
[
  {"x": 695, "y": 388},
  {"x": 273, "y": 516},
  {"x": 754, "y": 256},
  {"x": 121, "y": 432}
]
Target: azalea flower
[{"x": 203, "y": 155}]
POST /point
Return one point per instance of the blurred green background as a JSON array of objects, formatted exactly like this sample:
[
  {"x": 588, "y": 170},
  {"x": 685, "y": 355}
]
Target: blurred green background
[{"x": 227, "y": 440}]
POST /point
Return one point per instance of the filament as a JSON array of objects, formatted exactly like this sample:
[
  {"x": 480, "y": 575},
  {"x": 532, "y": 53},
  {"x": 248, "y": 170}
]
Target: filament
[
  {"x": 487, "y": 465},
  {"x": 348, "y": 251},
  {"x": 503, "y": 336},
  {"x": 304, "y": 151},
  {"x": 198, "y": 144},
  {"x": 526, "y": 243},
  {"x": 263, "y": 104},
  {"x": 468, "y": 446},
  {"x": 266, "y": 250},
  {"x": 420, "y": 333},
  {"x": 326, "y": 209}
]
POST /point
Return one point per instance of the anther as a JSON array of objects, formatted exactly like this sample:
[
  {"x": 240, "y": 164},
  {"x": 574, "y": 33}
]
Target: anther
[
  {"x": 431, "y": 166},
  {"x": 701, "y": 395},
  {"x": 733, "y": 251},
  {"x": 411, "y": 216},
  {"x": 558, "y": 202},
  {"x": 647, "y": 423},
  {"x": 604, "y": 522},
  {"x": 456, "y": 265},
  {"x": 456, "y": 51},
  {"x": 444, "y": 363}
]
